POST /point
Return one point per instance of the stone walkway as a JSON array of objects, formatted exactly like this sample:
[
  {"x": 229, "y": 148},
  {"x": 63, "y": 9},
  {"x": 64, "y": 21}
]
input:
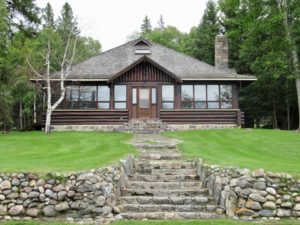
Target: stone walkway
[{"x": 164, "y": 185}]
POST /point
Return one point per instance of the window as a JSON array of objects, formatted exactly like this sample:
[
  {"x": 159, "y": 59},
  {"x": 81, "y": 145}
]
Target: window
[
  {"x": 134, "y": 98},
  {"x": 206, "y": 96},
  {"x": 103, "y": 97},
  {"x": 120, "y": 96},
  {"x": 153, "y": 96},
  {"x": 167, "y": 96},
  {"x": 87, "y": 97},
  {"x": 144, "y": 98}
]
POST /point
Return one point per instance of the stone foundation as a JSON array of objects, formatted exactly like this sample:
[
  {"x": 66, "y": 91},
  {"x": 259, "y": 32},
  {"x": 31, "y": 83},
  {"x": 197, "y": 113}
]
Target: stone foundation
[
  {"x": 178, "y": 127},
  {"x": 86, "y": 127}
]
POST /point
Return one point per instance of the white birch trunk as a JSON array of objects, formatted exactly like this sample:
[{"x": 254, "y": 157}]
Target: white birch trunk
[{"x": 295, "y": 58}]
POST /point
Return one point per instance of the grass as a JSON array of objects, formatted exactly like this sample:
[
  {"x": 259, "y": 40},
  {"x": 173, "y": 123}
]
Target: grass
[
  {"x": 273, "y": 150},
  {"x": 61, "y": 151},
  {"x": 179, "y": 222}
]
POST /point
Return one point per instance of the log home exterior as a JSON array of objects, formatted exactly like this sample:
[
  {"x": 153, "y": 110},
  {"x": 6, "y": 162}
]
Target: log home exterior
[{"x": 141, "y": 80}]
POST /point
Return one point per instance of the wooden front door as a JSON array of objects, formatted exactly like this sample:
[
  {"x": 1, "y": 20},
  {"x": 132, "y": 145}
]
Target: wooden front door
[{"x": 144, "y": 102}]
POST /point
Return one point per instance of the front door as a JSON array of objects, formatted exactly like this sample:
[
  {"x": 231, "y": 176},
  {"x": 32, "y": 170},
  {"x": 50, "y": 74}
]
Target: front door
[{"x": 144, "y": 104}]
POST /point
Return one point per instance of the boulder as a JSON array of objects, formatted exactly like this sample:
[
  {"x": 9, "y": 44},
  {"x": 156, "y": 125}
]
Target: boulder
[
  {"x": 33, "y": 212},
  {"x": 283, "y": 213},
  {"x": 266, "y": 213},
  {"x": 63, "y": 206},
  {"x": 59, "y": 188},
  {"x": 258, "y": 173},
  {"x": 253, "y": 205},
  {"x": 3, "y": 210},
  {"x": 286, "y": 205},
  {"x": 245, "y": 212},
  {"x": 296, "y": 207},
  {"x": 230, "y": 203},
  {"x": 269, "y": 205},
  {"x": 106, "y": 210},
  {"x": 33, "y": 194},
  {"x": 271, "y": 191},
  {"x": 260, "y": 186},
  {"x": 4, "y": 185},
  {"x": 49, "y": 211},
  {"x": 100, "y": 201},
  {"x": 16, "y": 210},
  {"x": 297, "y": 199},
  {"x": 61, "y": 195},
  {"x": 49, "y": 193},
  {"x": 257, "y": 198}
]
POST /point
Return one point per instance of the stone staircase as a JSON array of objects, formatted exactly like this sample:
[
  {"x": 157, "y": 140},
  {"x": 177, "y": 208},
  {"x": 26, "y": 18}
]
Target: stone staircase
[
  {"x": 165, "y": 186},
  {"x": 136, "y": 126}
]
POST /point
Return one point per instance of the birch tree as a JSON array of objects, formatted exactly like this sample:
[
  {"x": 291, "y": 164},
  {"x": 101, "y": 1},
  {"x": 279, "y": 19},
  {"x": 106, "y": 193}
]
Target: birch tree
[
  {"x": 46, "y": 49},
  {"x": 283, "y": 5}
]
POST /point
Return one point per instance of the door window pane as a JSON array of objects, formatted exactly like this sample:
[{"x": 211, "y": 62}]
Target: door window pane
[
  {"x": 133, "y": 96},
  {"x": 103, "y": 93},
  {"x": 200, "y": 93},
  {"x": 187, "y": 93},
  {"x": 153, "y": 95},
  {"x": 168, "y": 93},
  {"x": 120, "y": 93},
  {"x": 213, "y": 92},
  {"x": 144, "y": 98}
]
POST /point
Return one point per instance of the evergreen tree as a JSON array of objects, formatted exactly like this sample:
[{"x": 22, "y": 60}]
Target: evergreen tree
[
  {"x": 66, "y": 23},
  {"x": 203, "y": 36},
  {"x": 48, "y": 17},
  {"x": 161, "y": 23},
  {"x": 146, "y": 26}
]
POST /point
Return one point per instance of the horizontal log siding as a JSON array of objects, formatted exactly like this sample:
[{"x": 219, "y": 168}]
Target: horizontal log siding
[
  {"x": 202, "y": 116},
  {"x": 88, "y": 117}
]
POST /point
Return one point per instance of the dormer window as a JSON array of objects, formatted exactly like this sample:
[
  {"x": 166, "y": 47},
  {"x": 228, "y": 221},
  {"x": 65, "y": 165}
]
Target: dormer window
[{"x": 142, "y": 51}]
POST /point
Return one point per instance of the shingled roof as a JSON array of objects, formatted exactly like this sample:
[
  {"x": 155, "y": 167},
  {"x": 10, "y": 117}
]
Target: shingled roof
[{"x": 109, "y": 64}]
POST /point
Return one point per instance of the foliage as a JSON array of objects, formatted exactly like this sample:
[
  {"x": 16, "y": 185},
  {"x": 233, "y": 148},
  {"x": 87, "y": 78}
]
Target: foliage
[
  {"x": 202, "y": 38},
  {"x": 170, "y": 37},
  {"x": 61, "y": 151},
  {"x": 146, "y": 26},
  {"x": 229, "y": 147}
]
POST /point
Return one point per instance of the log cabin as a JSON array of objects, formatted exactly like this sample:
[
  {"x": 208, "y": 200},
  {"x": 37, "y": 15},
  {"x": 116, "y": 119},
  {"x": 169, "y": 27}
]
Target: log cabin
[{"x": 144, "y": 81}]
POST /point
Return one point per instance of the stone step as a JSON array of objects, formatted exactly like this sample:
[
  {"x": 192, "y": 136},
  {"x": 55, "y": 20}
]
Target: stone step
[
  {"x": 162, "y": 154},
  {"x": 166, "y": 208},
  {"x": 164, "y": 193},
  {"x": 170, "y": 215},
  {"x": 183, "y": 200},
  {"x": 164, "y": 178},
  {"x": 163, "y": 164},
  {"x": 173, "y": 171},
  {"x": 155, "y": 146},
  {"x": 164, "y": 185}
]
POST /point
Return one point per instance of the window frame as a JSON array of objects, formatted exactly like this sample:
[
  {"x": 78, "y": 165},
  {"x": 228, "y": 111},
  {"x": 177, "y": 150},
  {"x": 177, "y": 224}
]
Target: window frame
[{"x": 105, "y": 102}]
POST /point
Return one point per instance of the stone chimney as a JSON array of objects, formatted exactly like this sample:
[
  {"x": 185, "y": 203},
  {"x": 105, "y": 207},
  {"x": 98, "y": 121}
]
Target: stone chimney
[{"x": 221, "y": 52}]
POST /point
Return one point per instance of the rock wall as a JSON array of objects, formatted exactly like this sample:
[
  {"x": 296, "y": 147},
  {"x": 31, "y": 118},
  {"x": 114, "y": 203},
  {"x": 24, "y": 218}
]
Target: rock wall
[
  {"x": 246, "y": 194},
  {"x": 85, "y": 197}
]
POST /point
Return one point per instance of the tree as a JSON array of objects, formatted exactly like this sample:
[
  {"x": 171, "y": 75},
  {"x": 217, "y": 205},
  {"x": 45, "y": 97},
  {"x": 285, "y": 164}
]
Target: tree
[
  {"x": 45, "y": 46},
  {"x": 146, "y": 26},
  {"x": 66, "y": 23},
  {"x": 203, "y": 37},
  {"x": 48, "y": 17},
  {"x": 86, "y": 47},
  {"x": 161, "y": 23},
  {"x": 170, "y": 37},
  {"x": 287, "y": 20}
]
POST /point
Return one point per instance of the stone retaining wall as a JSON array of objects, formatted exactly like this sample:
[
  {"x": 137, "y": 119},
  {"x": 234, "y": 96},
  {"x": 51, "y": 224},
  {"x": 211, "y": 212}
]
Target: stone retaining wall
[
  {"x": 85, "y": 197},
  {"x": 246, "y": 194}
]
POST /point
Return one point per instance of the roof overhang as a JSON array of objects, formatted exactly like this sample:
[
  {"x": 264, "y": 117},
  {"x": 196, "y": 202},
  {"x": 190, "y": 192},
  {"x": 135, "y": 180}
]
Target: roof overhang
[
  {"x": 79, "y": 79},
  {"x": 145, "y": 59},
  {"x": 219, "y": 79}
]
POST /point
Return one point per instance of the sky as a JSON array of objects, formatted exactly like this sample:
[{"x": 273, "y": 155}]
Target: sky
[{"x": 111, "y": 21}]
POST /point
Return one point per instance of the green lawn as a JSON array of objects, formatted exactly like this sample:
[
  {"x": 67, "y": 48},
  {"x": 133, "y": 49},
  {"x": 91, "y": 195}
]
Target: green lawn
[
  {"x": 179, "y": 222},
  {"x": 61, "y": 151},
  {"x": 272, "y": 150}
]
